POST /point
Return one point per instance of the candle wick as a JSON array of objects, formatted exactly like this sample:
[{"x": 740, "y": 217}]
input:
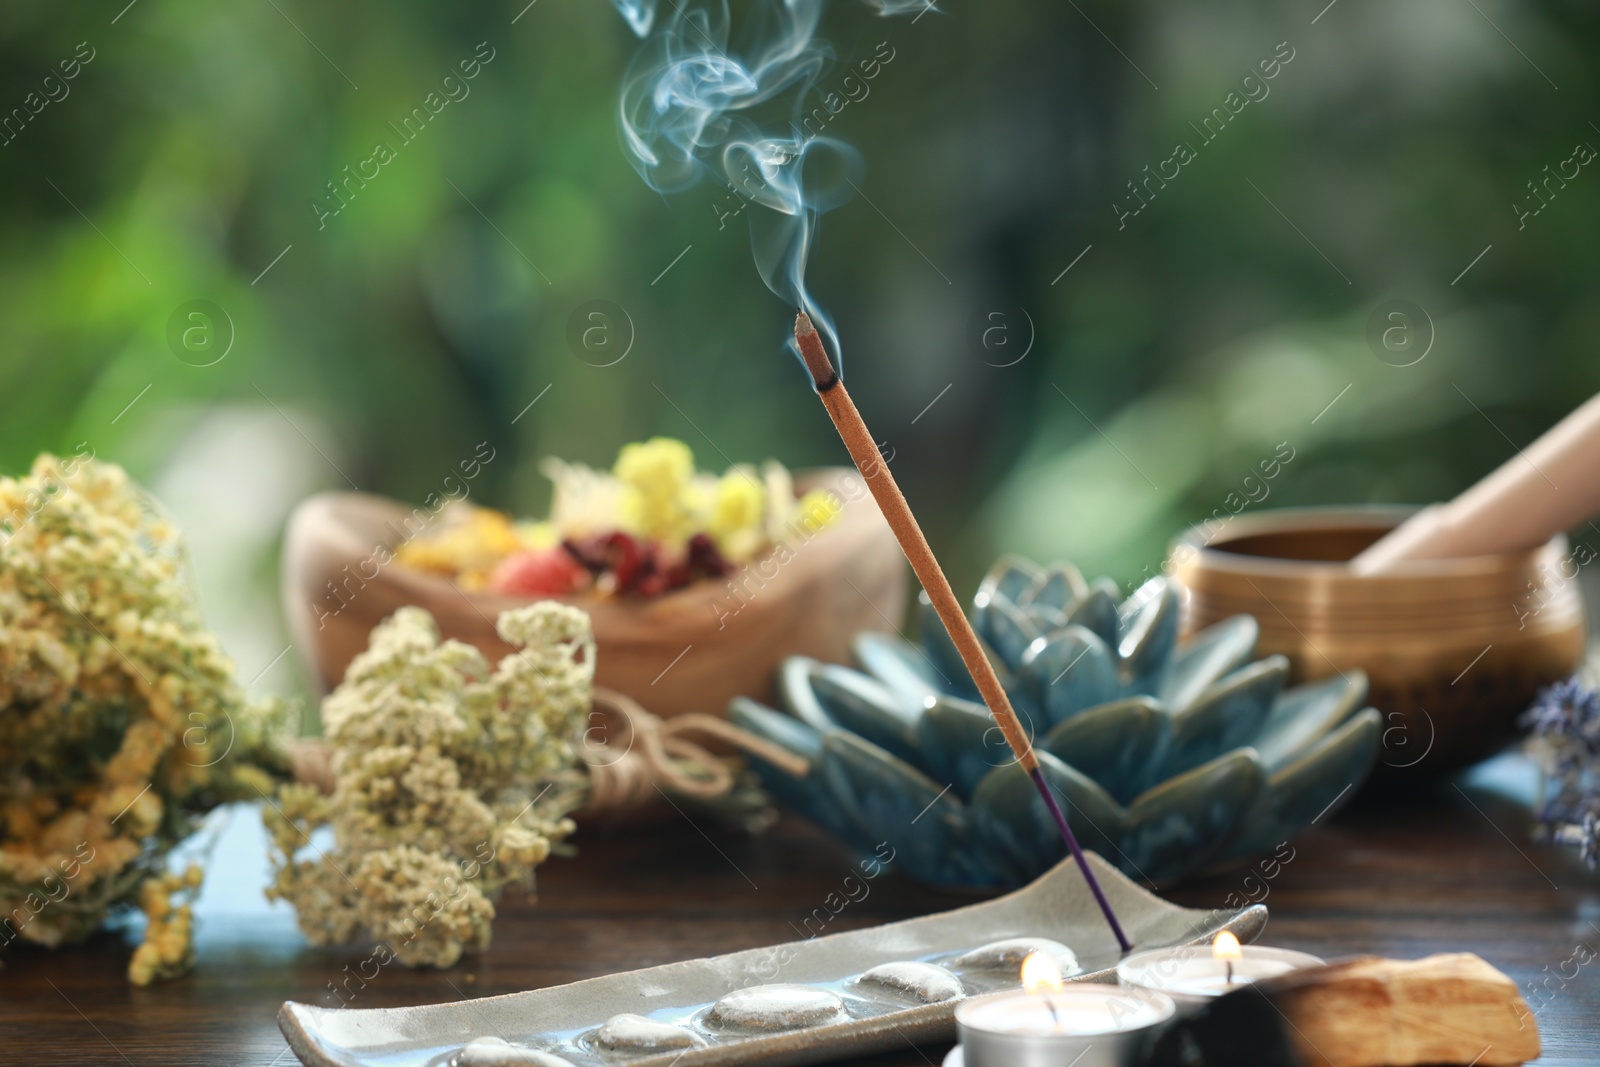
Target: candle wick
[
  {"x": 1055, "y": 1016},
  {"x": 1230, "y": 974}
]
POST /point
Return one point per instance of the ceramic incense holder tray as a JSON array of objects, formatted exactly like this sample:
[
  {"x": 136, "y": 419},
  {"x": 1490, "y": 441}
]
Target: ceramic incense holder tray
[{"x": 803, "y": 1002}]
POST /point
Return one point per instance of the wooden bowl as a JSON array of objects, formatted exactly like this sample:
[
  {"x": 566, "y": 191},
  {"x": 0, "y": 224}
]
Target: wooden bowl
[
  {"x": 1455, "y": 649},
  {"x": 691, "y": 650}
]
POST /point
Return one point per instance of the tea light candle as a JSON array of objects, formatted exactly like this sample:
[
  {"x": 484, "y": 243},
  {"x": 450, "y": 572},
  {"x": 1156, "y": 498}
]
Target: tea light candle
[
  {"x": 1050, "y": 1024},
  {"x": 1192, "y": 974}
]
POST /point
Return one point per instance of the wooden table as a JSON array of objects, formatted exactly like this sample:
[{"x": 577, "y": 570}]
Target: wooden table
[{"x": 1446, "y": 869}]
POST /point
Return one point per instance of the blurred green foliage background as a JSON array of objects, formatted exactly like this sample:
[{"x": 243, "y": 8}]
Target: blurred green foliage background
[{"x": 377, "y": 347}]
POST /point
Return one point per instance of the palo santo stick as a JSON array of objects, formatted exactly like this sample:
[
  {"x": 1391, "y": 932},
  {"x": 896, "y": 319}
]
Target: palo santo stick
[
  {"x": 1450, "y": 1008},
  {"x": 864, "y": 451},
  {"x": 1365, "y": 1012}
]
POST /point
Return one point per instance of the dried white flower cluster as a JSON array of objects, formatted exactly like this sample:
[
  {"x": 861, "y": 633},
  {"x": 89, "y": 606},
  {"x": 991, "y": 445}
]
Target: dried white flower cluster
[
  {"x": 120, "y": 719},
  {"x": 452, "y": 781}
]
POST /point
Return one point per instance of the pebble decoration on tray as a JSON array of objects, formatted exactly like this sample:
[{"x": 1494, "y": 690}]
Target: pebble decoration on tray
[
  {"x": 924, "y": 983},
  {"x": 767, "y": 1009},
  {"x": 498, "y": 1052}
]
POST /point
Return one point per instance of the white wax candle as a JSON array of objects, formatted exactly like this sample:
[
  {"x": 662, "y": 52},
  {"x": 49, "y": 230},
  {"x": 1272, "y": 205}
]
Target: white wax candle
[
  {"x": 1191, "y": 975},
  {"x": 1214, "y": 985},
  {"x": 1074, "y": 1011},
  {"x": 1086, "y": 1024}
]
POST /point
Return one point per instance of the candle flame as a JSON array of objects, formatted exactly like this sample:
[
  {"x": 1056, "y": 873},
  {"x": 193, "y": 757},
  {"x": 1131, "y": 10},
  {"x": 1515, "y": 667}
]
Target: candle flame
[
  {"x": 1226, "y": 948},
  {"x": 1040, "y": 974}
]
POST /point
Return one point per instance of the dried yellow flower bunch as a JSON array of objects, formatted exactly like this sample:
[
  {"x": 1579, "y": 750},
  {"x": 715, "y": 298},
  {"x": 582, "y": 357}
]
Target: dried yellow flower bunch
[
  {"x": 452, "y": 780},
  {"x": 168, "y": 947},
  {"x": 120, "y": 718}
]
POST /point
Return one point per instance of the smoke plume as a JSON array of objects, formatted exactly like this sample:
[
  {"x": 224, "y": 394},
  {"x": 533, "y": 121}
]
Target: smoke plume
[{"x": 705, "y": 100}]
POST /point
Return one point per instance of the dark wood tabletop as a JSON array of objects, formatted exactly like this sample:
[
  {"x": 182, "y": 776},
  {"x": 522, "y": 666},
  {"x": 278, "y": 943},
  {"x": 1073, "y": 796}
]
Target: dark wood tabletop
[{"x": 1443, "y": 868}]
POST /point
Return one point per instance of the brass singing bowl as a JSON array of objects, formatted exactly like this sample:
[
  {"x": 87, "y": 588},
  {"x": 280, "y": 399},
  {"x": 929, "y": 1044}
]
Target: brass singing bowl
[{"x": 1454, "y": 649}]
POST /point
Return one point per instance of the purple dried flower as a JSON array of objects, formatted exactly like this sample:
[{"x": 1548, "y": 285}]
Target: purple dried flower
[
  {"x": 1566, "y": 719},
  {"x": 1558, "y": 809},
  {"x": 1567, "y": 711},
  {"x": 1589, "y": 842}
]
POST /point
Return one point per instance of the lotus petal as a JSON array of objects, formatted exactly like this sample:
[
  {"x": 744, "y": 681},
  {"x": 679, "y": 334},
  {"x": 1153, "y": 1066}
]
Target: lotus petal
[
  {"x": 942, "y": 651},
  {"x": 796, "y": 694},
  {"x": 900, "y": 665},
  {"x": 771, "y": 725},
  {"x": 1147, "y": 632},
  {"x": 1009, "y": 813},
  {"x": 1301, "y": 716},
  {"x": 1010, "y": 577},
  {"x": 1112, "y": 744},
  {"x": 1069, "y": 671},
  {"x": 960, "y": 743},
  {"x": 888, "y": 800},
  {"x": 1315, "y": 785},
  {"x": 1189, "y": 819},
  {"x": 1096, "y": 610},
  {"x": 868, "y": 708},
  {"x": 1227, "y": 715},
  {"x": 1008, "y": 629},
  {"x": 1045, "y": 619},
  {"x": 1207, "y": 656},
  {"x": 807, "y": 795},
  {"x": 1058, "y": 586}
]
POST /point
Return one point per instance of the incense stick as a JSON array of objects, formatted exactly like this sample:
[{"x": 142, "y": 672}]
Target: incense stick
[{"x": 864, "y": 451}]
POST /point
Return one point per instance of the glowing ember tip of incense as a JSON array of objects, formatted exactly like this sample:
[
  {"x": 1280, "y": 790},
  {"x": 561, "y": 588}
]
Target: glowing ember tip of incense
[
  {"x": 1040, "y": 974},
  {"x": 809, "y": 341}
]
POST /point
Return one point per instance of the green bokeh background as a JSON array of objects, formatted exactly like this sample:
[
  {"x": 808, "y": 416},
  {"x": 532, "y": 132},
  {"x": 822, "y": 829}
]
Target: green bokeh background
[{"x": 1178, "y": 352}]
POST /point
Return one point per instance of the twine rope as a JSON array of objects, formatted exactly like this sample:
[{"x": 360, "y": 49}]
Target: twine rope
[
  {"x": 651, "y": 753},
  {"x": 643, "y": 753}
]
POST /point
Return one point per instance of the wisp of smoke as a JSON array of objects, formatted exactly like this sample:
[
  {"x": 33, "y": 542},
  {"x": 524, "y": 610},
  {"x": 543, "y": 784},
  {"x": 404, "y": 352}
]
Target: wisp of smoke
[{"x": 698, "y": 104}]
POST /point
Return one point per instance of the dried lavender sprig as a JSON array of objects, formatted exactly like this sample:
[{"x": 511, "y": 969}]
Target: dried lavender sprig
[{"x": 1565, "y": 720}]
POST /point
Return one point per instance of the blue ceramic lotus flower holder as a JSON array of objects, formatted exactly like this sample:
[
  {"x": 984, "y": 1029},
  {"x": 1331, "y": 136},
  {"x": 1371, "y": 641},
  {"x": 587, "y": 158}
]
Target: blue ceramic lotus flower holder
[{"x": 1168, "y": 759}]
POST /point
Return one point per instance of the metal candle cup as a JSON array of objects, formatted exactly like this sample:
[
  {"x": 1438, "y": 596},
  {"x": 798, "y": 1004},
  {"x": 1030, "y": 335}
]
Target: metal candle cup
[
  {"x": 1085, "y": 1024},
  {"x": 1192, "y": 974}
]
